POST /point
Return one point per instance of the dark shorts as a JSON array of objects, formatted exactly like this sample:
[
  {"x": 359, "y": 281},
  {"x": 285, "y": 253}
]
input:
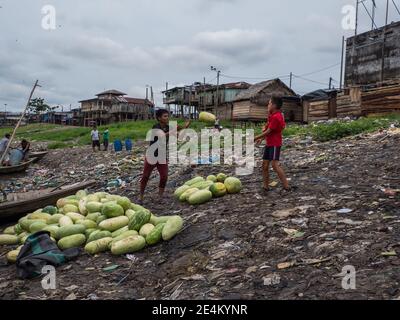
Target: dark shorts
[
  {"x": 272, "y": 153},
  {"x": 96, "y": 143}
]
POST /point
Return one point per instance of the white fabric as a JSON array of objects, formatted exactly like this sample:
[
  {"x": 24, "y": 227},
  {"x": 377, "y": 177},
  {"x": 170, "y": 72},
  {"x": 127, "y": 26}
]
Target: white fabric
[{"x": 95, "y": 135}]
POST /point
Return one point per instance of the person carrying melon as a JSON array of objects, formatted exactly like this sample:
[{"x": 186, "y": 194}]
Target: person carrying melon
[
  {"x": 163, "y": 130},
  {"x": 272, "y": 132}
]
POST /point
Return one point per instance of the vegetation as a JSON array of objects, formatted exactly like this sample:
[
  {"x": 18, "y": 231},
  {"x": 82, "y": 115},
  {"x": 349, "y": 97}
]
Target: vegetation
[{"x": 64, "y": 137}]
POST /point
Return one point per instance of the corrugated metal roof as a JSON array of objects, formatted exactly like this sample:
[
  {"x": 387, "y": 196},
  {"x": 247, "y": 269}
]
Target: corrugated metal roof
[
  {"x": 112, "y": 92},
  {"x": 255, "y": 89}
]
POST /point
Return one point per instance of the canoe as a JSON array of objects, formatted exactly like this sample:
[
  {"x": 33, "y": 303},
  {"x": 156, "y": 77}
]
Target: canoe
[
  {"x": 18, "y": 204},
  {"x": 19, "y": 168},
  {"x": 38, "y": 155}
]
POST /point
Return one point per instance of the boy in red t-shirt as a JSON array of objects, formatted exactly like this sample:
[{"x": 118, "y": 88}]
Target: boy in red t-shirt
[{"x": 273, "y": 134}]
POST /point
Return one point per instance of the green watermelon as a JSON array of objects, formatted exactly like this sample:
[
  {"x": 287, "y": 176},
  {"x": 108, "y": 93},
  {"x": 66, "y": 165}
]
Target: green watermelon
[
  {"x": 139, "y": 220},
  {"x": 218, "y": 189},
  {"x": 233, "y": 185},
  {"x": 200, "y": 197}
]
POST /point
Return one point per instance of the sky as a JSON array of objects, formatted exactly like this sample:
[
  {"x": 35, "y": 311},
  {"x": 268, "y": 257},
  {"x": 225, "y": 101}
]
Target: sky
[{"x": 130, "y": 44}]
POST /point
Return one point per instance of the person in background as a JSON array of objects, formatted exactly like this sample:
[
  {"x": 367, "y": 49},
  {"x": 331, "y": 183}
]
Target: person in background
[
  {"x": 4, "y": 142},
  {"x": 106, "y": 139},
  {"x": 273, "y": 134},
  {"x": 19, "y": 155},
  {"x": 25, "y": 149},
  {"x": 95, "y": 138},
  {"x": 162, "y": 116},
  {"x": 3, "y": 146},
  {"x": 216, "y": 125}
]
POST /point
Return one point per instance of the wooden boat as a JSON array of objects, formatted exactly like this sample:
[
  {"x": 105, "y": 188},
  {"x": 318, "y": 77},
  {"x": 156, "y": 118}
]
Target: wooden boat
[
  {"x": 18, "y": 204},
  {"x": 19, "y": 168},
  {"x": 38, "y": 155}
]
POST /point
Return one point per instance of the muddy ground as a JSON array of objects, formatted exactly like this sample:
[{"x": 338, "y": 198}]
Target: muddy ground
[{"x": 237, "y": 247}]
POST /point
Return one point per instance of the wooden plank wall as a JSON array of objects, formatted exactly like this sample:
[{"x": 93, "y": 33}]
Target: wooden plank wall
[
  {"x": 317, "y": 110},
  {"x": 381, "y": 100},
  {"x": 248, "y": 111},
  {"x": 348, "y": 103}
]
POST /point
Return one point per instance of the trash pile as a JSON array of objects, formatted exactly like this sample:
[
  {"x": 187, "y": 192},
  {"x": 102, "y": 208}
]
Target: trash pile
[
  {"x": 66, "y": 166},
  {"x": 100, "y": 222},
  {"x": 199, "y": 190}
]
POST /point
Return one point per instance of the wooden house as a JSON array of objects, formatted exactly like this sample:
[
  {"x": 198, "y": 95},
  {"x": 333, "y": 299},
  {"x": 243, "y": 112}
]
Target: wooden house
[
  {"x": 319, "y": 105},
  {"x": 113, "y": 106},
  {"x": 251, "y": 104},
  {"x": 184, "y": 100},
  {"x": 227, "y": 93}
]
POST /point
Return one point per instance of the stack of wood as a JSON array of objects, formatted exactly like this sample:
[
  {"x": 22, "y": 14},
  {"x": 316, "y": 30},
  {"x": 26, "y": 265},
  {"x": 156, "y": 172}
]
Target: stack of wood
[
  {"x": 317, "y": 110},
  {"x": 381, "y": 100},
  {"x": 349, "y": 105}
]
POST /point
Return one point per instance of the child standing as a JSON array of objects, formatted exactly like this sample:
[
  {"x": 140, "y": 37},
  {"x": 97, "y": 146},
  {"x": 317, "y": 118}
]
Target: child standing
[
  {"x": 273, "y": 135},
  {"x": 95, "y": 138},
  {"x": 106, "y": 139},
  {"x": 163, "y": 125}
]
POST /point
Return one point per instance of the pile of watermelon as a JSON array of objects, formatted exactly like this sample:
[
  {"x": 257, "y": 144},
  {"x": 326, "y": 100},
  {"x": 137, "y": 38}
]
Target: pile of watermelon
[
  {"x": 199, "y": 190},
  {"x": 98, "y": 222}
]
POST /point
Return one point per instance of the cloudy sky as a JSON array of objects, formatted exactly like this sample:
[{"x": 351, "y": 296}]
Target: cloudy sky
[{"x": 128, "y": 44}]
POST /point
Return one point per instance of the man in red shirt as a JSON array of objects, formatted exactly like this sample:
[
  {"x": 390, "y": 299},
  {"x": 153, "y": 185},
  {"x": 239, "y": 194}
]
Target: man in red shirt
[{"x": 273, "y": 134}]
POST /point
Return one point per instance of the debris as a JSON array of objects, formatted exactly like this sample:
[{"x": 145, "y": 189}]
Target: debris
[
  {"x": 389, "y": 254},
  {"x": 251, "y": 269},
  {"x": 111, "y": 268},
  {"x": 71, "y": 288},
  {"x": 71, "y": 296},
  {"x": 350, "y": 222},
  {"x": 345, "y": 211},
  {"x": 93, "y": 296},
  {"x": 272, "y": 279},
  {"x": 286, "y": 265}
]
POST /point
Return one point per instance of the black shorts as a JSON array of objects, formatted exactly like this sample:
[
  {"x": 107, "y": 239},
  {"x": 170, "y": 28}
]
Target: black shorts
[
  {"x": 96, "y": 143},
  {"x": 272, "y": 153}
]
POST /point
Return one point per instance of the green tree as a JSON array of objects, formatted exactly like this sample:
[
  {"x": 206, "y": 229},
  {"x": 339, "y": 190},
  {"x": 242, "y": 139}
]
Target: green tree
[{"x": 38, "y": 106}]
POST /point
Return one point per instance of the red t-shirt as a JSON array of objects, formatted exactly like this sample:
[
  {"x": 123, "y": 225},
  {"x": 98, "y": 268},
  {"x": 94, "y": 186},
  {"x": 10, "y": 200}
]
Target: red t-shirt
[{"x": 276, "y": 122}]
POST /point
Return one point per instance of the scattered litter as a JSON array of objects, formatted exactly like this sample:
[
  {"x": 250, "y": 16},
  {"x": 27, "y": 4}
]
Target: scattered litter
[
  {"x": 345, "y": 211},
  {"x": 111, "y": 268},
  {"x": 389, "y": 254}
]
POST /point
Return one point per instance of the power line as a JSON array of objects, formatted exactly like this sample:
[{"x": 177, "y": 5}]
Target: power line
[
  {"x": 254, "y": 78},
  {"x": 317, "y": 82},
  {"x": 324, "y": 69},
  {"x": 212, "y": 80}
]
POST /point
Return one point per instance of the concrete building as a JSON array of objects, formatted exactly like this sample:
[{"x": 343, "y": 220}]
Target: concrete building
[{"x": 373, "y": 56}]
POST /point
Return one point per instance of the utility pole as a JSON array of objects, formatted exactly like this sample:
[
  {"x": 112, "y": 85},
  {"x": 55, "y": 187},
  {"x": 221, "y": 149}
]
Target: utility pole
[
  {"x": 291, "y": 79},
  {"x": 152, "y": 100},
  {"x": 373, "y": 14},
  {"x": 356, "y": 26},
  {"x": 5, "y": 113},
  {"x": 217, "y": 97},
  {"x": 165, "y": 97},
  {"x": 342, "y": 64},
  {"x": 204, "y": 93},
  {"x": 384, "y": 42},
  {"x": 330, "y": 83}
]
